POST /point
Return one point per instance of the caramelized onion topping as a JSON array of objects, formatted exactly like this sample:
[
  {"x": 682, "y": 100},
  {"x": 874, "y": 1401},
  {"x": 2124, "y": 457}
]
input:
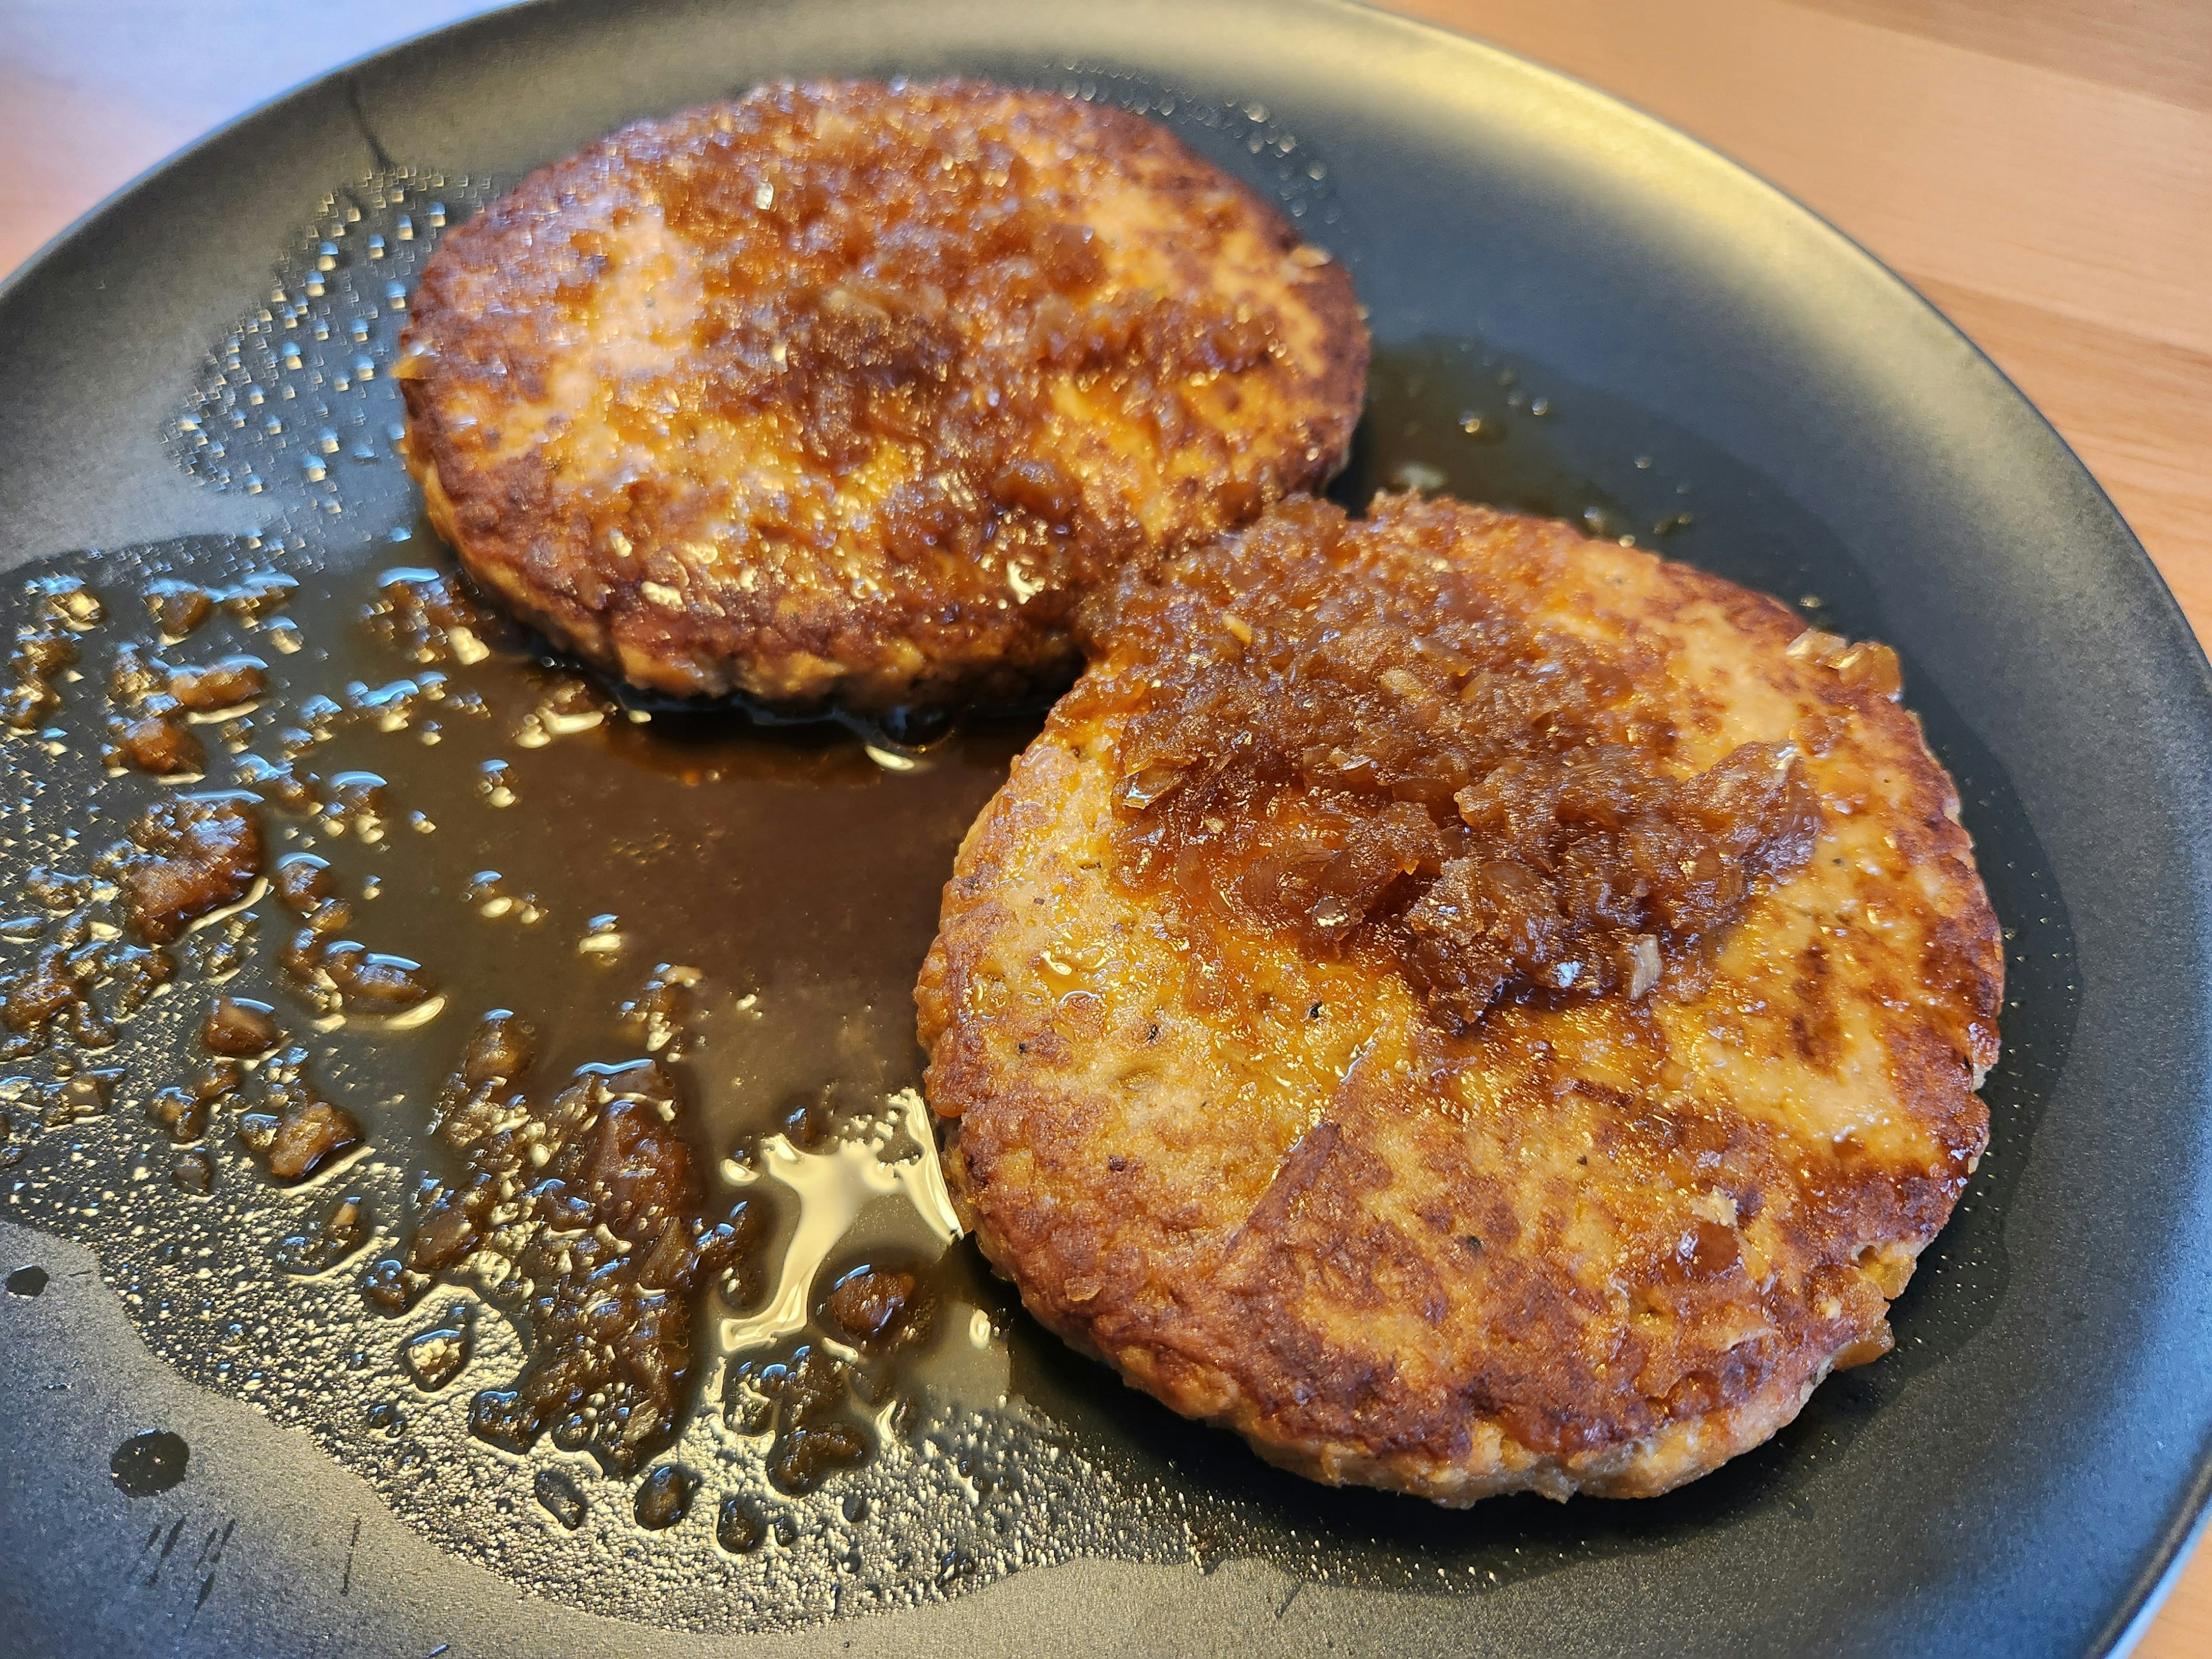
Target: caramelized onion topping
[
  {"x": 885, "y": 268},
  {"x": 1357, "y": 734}
]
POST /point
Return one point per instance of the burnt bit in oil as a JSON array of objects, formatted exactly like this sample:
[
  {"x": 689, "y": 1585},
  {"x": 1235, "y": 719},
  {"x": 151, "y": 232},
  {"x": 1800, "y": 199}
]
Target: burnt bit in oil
[
  {"x": 435, "y": 1357},
  {"x": 81, "y": 1095},
  {"x": 344, "y": 1228},
  {"x": 482, "y": 1114},
  {"x": 664, "y": 1497},
  {"x": 330, "y": 974},
  {"x": 158, "y": 741},
  {"x": 304, "y": 885},
  {"x": 178, "y": 608},
  {"x": 258, "y": 595},
  {"x": 219, "y": 950},
  {"x": 739, "y": 1527},
  {"x": 240, "y": 1026},
  {"x": 805, "y": 1400},
  {"x": 877, "y": 1307},
  {"x": 60, "y": 607},
  {"x": 196, "y": 854},
  {"x": 281, "y": 783},
  {"x": 590, "y": 1201},
  {"x": 293, "y": 1131},
  {"x": 430, "y": 616},
  {"x": 658, "y": 1015},
  {"x": 610, "y": 1324},
  {"x": 45, "y": 989},
  {"x": 809, "y": 1120},
  {"x": 232, "y": 683},
  {"x": 366, "y": 981},
  {"x": 80, "y": 982},
  {"x": 182, "y": 1112},
  {"x": 501, "y": 1051},
  {"x": 154, "y": 702}
]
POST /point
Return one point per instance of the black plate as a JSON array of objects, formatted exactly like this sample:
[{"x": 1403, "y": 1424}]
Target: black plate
[{"x": 2016, "y": 1478}]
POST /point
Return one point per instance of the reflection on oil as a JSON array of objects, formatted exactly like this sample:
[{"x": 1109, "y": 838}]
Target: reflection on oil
[{"x": 831, "y": 1185}]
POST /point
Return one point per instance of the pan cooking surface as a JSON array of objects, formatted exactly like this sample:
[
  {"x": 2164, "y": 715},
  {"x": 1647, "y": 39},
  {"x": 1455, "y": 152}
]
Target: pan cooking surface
[{"x": 720, "y": 921}]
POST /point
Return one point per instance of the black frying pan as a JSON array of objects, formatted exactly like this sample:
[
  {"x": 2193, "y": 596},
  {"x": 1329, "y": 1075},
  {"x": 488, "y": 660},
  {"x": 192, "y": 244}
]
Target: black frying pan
[{"x": 2015, "y": 1479}]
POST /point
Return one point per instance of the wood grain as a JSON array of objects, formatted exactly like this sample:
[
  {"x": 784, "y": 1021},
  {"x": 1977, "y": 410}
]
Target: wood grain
[
  {"x": 2138, "y": 413},
  {"x": 2153, "y": 47},
  {"x": 2040, "y": 169}
]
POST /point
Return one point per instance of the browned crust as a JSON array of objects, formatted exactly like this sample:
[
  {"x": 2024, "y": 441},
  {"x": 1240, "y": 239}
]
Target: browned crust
[
  {"x": 922, "y": 637},
  {"x": 1310, "y": 1288}
]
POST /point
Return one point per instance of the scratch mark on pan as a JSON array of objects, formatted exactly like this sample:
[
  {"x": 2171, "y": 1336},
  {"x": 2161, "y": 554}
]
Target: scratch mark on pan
[
  {"x": 170, "y": 1543},
  {"x": 211, "y": 1558},
  {"x": 368, "y": 132}
]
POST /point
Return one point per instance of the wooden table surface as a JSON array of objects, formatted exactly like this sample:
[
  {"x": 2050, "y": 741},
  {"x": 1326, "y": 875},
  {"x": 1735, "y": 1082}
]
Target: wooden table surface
[{"x": 2041, "y": 169}]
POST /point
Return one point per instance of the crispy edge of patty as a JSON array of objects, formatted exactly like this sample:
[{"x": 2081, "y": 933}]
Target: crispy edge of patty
[
  {"x": 974, "y": 1079},
  {"x": 858, "y": 657}
]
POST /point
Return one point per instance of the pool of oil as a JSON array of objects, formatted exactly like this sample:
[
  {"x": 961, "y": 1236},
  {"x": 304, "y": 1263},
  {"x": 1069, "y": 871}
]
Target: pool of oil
[{"x": 746, "y": 905}]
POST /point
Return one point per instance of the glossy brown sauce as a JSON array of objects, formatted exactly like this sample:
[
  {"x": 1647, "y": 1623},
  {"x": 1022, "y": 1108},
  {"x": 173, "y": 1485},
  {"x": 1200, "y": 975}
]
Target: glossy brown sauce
[{"x": 1357, "y": 734}]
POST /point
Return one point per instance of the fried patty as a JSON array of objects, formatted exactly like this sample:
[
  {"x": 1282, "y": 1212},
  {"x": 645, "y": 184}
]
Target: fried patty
[
  {"x": 1469, "y": 1007},
  {"x": 846, "y": 391}
]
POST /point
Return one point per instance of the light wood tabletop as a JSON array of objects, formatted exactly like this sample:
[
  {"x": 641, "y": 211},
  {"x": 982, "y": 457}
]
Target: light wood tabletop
[{"x": 2040, "y": 169}]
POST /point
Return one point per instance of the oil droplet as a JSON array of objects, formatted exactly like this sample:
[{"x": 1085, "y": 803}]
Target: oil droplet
[
  {"x": 738, "y": 1529},
  {"x": 148, "y": 1463},
  {"x": 664, "y": 1497},
  {"x": 26, "y": 1282},
  {"x": 558, "y": 1496},
  {"x": 434, "y": 1358}
]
